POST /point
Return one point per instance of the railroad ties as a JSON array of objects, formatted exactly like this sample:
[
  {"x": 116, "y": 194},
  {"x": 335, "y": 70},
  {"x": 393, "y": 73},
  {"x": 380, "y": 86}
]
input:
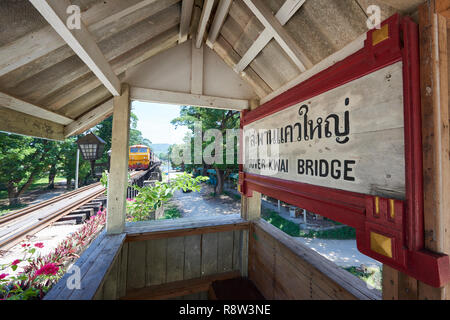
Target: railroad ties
[{"x": 73, "y": 207}]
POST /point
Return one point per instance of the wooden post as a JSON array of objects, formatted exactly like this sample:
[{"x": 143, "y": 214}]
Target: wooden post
[
  {"x": 436, "y": 150},
  {"x": 250, "y": 210},
  {"x": 251, "y": 207},
  {"x": 118, "y": 176},
  {"x": 435, "y": 134}
]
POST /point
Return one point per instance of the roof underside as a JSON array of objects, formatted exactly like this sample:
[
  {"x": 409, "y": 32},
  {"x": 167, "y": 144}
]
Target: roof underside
[{"x": 38, "y": 67}]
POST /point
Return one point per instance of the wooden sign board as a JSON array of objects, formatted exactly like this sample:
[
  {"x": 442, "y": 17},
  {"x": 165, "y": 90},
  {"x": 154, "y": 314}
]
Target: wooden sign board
[
  {"x": 349, "y": 138},
  {"x": 346, "y": 144}
]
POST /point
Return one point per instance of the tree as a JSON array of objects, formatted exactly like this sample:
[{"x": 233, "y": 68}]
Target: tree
[
  {"x": 22, "y": 160},
  {"x": 211, "y": 119}
]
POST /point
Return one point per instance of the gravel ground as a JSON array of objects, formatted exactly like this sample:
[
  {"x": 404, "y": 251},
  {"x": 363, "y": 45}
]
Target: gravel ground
[{"x": 200, "y": 204}]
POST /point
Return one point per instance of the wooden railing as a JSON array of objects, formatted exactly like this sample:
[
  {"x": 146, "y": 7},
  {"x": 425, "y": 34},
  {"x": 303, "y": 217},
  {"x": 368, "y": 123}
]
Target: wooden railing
[
  {"x": 158, "y": 259},
  {"x": 282, "y": 268},
  {"x": 172, "y": 258}
]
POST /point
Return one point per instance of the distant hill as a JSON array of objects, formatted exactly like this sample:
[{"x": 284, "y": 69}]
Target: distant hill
[{"x": 160, "y": 147}]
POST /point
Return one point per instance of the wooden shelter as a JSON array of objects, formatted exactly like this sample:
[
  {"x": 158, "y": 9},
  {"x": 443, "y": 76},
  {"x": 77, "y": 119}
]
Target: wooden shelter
[{"x": 60, "y": 76}]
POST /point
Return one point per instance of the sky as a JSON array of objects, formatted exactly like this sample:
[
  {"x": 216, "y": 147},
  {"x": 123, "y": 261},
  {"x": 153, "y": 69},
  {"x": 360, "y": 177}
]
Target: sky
[{"x": 154, "y": 122}]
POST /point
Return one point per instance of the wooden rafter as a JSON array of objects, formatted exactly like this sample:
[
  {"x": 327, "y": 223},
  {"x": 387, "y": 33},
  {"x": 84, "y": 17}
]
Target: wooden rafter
[
  {"x": 283, "y": 38},
  {"x": 37, "y": 44},
  {"x": 197, "y": 70},
  {"x": 283, "y": 15},
  {"x": 162, "y": 96},
  {"x": 119, "y": 65},
  {"x": 81, "y": 41},
  {"x": 20, "y": 123},
  {"x": 288, "y": 9},
  {"x": 257, "y": 46},
  {"x": 90, "y": 119},
  {"x": 348, "y": 50},
  {"x": 219, "y": 19},
  {"x": 206, "y": 13},
  {"x": 16, "y": 104},
  {"x": 185, "y": 22}
]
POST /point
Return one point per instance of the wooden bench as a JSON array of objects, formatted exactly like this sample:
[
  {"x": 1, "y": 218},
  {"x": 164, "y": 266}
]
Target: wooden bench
[{"x": 94, "y": 264}]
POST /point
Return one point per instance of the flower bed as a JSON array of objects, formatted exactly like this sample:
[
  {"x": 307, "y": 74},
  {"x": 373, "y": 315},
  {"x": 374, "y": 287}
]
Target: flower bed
[{"x": 42, "y": 271}]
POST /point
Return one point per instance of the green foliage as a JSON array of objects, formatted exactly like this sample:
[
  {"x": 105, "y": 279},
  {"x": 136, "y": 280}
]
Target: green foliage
[
  {"x": 163, "y": 156},
  {"x": 5, "y": 209},
  {"x": 372, "y": 275},
  {"x": 150, "y": 198},
  {"x": 104, "y": 179},
  {"x": 210, "y": 119},
  {"x": 343, "y": 233},
  {"x": 221, "y": 120},
  {"x": 171, "y": 212},
  {"x": 40, "y": 272},
  {"x": 284, "y": 225},
  {"x": 293, "y": 229}
]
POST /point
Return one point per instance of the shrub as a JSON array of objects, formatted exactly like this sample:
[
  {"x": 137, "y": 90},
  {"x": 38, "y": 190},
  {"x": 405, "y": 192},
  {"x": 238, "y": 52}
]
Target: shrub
[
  {"x": 42, "y": 272},
  {"x": 151, "y": 198}
]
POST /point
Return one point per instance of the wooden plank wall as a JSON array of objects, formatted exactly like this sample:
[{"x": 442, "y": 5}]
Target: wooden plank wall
[
  {"x": 285, "y": 270},
  {"x": 159, "y": 261}
]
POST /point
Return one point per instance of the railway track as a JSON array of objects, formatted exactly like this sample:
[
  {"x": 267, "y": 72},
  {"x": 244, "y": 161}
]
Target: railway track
[{"x": 18, "y": 225}]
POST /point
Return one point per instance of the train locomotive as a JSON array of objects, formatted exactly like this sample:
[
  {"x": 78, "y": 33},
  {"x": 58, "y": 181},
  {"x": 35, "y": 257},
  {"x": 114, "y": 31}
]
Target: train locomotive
[{"x": 140, "y": 157}]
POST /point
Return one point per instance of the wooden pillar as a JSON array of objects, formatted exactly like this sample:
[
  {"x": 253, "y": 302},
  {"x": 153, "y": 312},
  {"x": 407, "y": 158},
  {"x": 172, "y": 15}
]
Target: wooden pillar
[
  {"x": 251, "y": 211},
  {"x": 435, "y": 133},
  {"x": 251, "y": 207},
  {"x": 118, "y": 176},
  {"x": 434, "y": 76}
]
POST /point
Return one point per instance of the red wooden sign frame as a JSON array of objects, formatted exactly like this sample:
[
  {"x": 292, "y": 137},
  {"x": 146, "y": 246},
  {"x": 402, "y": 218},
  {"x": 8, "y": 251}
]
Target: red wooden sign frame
[{"x": 406, "y": 230}]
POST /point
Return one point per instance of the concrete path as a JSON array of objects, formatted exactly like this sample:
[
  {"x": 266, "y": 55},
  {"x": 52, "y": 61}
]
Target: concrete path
[
  {"x": 344, "y": 253},
  {"x": 201, "y": 204}
]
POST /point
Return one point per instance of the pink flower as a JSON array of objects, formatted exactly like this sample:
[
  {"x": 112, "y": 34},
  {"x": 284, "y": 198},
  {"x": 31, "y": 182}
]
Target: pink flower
[
  {"x": 25, "y": 245},
  {"x": 3, "y": 275},
  {"x": 48, "y": 269},
  {"x": 16, "y": 262},
  {"x": 39, "y": 245}
]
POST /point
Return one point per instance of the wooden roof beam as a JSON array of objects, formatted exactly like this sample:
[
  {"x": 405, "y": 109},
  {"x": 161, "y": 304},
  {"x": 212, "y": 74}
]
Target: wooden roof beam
[
  {"x": 81, "y": 41},
  {"x": 206, "y": 13},
  {"x": 28, "y": 125},
  {"x": 37, "y": 44},
  {"x": 120, "y": 64},
  {"x": 185, "y": 21},
  {"x": 16, "y": 104},
  {"x": 283, "y": 38},
  {"x": 219, "y": 19},
  {"x": 90, "y": 119},
  {"x": 179, "y": 98},
  {"x": 288, "y": 9}
]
